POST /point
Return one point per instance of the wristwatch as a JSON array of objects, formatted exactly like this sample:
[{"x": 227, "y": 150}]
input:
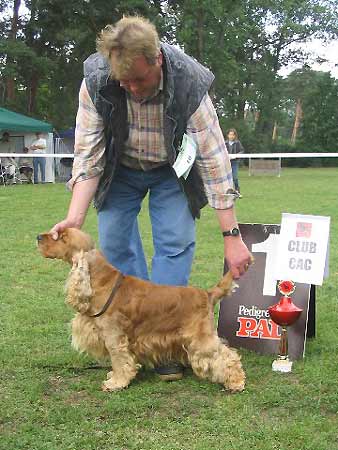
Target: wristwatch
[{"x": 233, "y": 232}]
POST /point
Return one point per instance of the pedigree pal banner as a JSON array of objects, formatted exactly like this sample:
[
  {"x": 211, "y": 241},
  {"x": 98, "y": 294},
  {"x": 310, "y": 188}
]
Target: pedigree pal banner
[{"x": 244, "y": 318}]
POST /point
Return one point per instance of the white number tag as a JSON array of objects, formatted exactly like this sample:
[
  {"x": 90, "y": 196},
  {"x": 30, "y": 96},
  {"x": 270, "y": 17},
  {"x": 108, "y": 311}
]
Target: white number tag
[{"x": 186, "y": 157}]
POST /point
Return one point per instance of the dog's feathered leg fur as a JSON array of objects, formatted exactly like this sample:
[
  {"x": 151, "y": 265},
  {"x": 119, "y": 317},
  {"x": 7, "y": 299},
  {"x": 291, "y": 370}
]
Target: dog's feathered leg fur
[
  {"x": 78, "y": 288},
  {"x": 212, "y": 360},
  {"x": 124, "y": 365}
]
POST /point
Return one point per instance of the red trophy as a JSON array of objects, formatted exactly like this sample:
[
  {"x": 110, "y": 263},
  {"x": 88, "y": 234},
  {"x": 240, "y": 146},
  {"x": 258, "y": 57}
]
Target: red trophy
[{"x": 284, "y": 313}]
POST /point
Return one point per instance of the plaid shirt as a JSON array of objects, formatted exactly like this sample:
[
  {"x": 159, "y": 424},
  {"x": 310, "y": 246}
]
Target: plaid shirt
[{"x": 145, "y": 146}]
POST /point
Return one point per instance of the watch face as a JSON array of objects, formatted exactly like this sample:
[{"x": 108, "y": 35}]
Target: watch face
[{"x": 235, "y": 232}]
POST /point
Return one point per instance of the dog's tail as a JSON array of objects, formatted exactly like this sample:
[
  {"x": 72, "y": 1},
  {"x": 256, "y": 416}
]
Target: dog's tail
[{"x": 225, "y": 287}]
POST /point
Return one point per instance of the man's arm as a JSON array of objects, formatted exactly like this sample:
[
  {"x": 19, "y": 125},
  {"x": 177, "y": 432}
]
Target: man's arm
[
  {"x": 215, "y": 168},
  {"x": 40, "y": 146},
  {"x": 88, "y": 162},
  {"x": 83, "y": 193}
]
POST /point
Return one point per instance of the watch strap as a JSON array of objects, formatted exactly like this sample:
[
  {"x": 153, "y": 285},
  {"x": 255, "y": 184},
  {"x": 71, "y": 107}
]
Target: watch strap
[{"x": 233, "y": 232}]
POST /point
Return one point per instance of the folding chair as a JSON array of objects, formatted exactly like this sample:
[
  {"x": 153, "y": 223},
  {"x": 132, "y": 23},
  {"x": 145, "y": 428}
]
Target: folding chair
[
  {"x": 10, "y": 173},
  {"x": 3, "y": 175}
]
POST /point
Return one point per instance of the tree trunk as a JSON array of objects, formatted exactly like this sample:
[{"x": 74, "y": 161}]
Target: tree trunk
[
  {"x": 10, "y": 83},
  {"x": 275, "y": 133},
  {"x": 200, "y": 40},
  {"x": 32, "y": 90},
  {"x": 298, "y": 119}
]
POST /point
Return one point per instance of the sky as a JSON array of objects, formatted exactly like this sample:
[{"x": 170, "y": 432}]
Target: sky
[{"x": 329, "y": 52}]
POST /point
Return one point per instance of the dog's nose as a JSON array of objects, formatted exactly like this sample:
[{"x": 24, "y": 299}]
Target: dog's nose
[{"x": 39, "y": 237}]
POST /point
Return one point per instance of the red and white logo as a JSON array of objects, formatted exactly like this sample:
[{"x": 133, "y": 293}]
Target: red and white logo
[{"x": 304, "y": 229}]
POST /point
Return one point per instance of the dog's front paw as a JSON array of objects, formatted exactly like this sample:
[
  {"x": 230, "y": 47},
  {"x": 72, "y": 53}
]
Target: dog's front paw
[
  {"x": 112, "y": 385},
  {"x": 238, "y": 388},
  {"x": 110, "y": 375}
]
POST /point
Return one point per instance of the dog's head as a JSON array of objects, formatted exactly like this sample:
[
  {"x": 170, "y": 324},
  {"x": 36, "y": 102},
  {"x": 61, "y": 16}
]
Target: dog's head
[{"x": 69, "y": 242}]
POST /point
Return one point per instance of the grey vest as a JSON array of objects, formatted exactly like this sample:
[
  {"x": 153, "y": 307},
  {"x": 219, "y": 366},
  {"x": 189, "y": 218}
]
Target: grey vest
[{"x": 186, "y": 82}]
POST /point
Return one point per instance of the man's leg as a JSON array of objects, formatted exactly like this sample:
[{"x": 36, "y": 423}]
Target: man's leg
[
  {"x": 173, "y": 230},
  {"x": 174, "y": 242},
  {"x": 119, "y": 236},
  {"x": 36, "y": 169},
  {"x": 234, "y": 167},
  {"x": 43, "y": 169}
]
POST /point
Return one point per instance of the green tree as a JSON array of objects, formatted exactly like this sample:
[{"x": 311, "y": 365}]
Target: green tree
[
  {"x": 44, "y": 61},
  {"x": 319, "y": 129},
  {"x": 244, "y": 43}
]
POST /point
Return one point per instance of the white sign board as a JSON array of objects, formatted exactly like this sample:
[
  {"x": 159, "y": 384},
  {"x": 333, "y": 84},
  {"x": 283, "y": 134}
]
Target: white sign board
[{"x": 302, "y": 251}]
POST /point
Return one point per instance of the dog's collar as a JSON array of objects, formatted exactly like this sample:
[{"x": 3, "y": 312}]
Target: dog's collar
[{"x": 111, "y": 297}]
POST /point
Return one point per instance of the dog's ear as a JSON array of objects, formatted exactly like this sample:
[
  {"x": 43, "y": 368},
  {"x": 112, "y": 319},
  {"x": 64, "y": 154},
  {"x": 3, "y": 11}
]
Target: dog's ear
[
  {"x": 63, "y": 236},
  {"x": 76, "y": 258},
  {"x": 78, "y": 286}
]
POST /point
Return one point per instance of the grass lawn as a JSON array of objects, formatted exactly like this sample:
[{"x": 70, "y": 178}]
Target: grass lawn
[{"x": 50, "y": 396}]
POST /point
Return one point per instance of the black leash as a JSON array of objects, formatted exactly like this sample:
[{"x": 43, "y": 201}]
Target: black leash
[{"x": 111, "y": 297}]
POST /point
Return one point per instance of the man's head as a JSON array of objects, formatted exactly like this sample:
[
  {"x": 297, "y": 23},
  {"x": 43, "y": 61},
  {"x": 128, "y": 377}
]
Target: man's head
[
  {"x": 38, "y": 135},
  {"x": 5, "y": 136},
  {"x": 132, "y": 47}
]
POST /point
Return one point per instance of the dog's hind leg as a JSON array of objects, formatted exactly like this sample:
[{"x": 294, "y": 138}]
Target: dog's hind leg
[
  {"x": 124, "y": 365},
  {"x": 212, "y": 360}
]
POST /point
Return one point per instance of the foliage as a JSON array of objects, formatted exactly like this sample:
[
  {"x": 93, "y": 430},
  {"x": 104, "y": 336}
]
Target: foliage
[
  {"x": 321, "y": 115},
  {"x": 244, "y": 43},
  {"x": 46, "y": 57}
]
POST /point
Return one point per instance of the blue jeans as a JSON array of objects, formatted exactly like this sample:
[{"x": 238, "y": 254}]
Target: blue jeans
[
  {"x": 234, "y": 167},
  {"x": 39, "y": 162},
  {"x": 173, "y": 227}
]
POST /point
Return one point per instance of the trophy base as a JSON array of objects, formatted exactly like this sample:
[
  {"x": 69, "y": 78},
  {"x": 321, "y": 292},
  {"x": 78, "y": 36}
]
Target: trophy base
[{"x": 282, "y": 365}]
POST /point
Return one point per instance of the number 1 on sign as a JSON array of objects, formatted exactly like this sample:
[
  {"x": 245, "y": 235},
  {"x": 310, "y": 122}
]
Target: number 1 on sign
[{"x": 269, "y": 246}]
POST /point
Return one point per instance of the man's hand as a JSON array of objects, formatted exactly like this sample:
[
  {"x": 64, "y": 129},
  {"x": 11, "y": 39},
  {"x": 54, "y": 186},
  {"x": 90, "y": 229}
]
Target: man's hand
[
  {"x": 61, "y": 226},
  {"x": 83, "y": 192},
  {"x": 237, "y": 256},
  {"x": 236, "y": 252}
]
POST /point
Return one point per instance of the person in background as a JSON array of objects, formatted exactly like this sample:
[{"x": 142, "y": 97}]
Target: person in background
[
  {"x": 234, "y": 146},
  {"x": 7, "y": 163},
  {"x": 39, "y": 145},
  {"x": 25, "y": 166},
  {"x": 138, "y": 100}
]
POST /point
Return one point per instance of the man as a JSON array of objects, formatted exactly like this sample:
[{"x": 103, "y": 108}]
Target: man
[
  {"x": 39, "y": 146},
  {"x": 138, "y": 99}
]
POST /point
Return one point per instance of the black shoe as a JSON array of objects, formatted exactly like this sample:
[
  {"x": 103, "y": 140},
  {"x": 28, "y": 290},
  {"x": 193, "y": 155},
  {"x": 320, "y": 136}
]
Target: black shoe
[{"x": 170, "y": 372}]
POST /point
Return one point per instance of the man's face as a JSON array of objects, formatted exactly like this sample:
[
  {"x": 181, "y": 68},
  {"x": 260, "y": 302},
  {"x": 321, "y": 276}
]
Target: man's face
[{"x": 143, "y": 79}]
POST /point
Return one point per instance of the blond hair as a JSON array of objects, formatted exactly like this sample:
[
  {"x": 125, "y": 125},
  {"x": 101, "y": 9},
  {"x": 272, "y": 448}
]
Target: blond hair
[{"x": 130, "y": 37}]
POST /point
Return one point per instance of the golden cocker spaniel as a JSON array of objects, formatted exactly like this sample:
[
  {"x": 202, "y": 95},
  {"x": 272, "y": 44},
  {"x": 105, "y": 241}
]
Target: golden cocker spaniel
[{"x": 135, "y": 322}]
